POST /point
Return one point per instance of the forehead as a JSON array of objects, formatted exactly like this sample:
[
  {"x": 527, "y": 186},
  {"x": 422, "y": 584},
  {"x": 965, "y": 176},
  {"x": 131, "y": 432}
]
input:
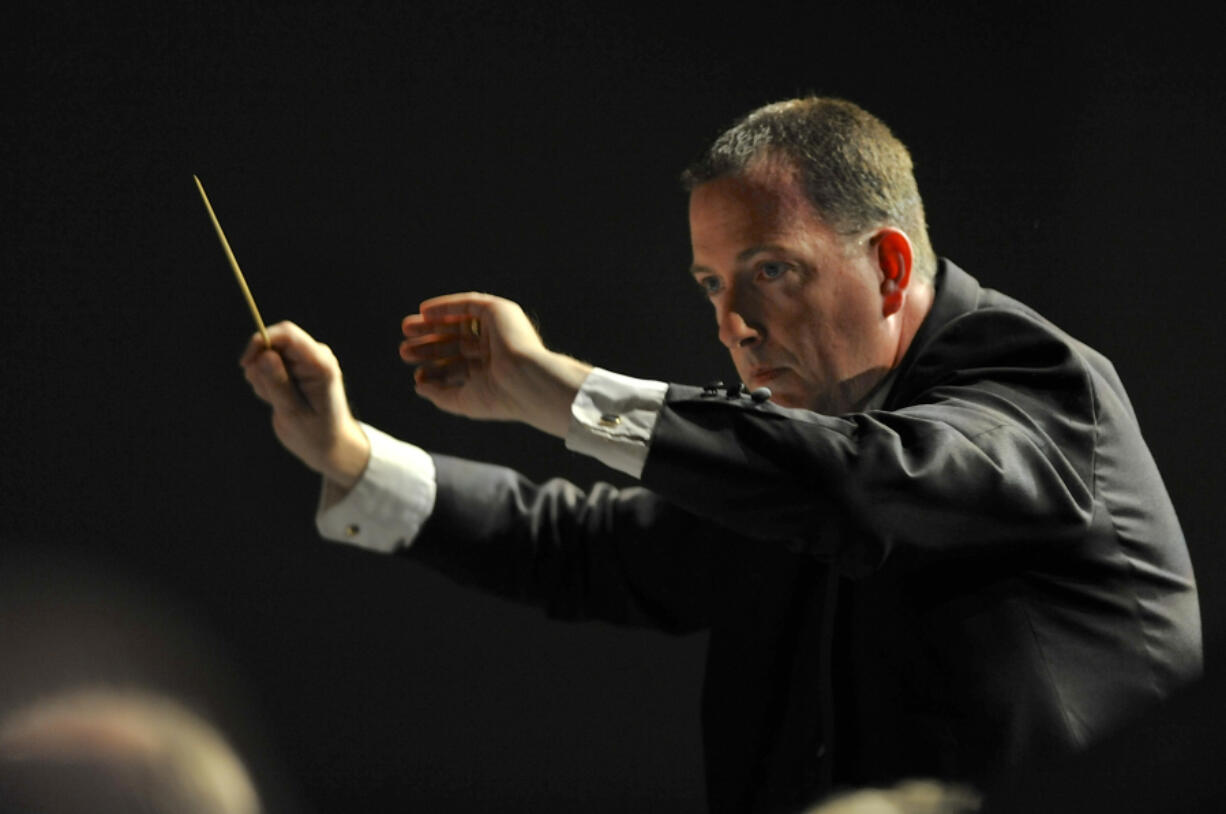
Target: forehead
[{"x": 744, "y": 210}]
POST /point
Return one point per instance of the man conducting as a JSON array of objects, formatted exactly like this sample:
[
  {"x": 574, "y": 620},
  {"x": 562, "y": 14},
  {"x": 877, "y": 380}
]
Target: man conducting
[{"x": 925, "y": 535}]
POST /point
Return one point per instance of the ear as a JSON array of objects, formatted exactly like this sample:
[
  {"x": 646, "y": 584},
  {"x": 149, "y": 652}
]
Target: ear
[{"x": 892, "y": 248}]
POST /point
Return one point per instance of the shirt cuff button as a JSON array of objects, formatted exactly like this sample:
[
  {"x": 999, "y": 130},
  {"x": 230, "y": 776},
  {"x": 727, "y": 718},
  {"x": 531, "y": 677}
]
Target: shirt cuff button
[
  {"x": 352, "y": 530},
  {"x": 610, "y": 420}
]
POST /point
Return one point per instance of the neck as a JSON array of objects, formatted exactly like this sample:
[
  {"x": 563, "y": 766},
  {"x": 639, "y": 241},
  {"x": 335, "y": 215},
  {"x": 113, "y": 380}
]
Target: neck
[{"x": 916, "y": 306}]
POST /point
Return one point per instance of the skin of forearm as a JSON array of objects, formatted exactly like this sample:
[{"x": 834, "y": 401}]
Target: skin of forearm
[
  {"x": 347, "y": 459},
  {"x": 545, "y": 387}
]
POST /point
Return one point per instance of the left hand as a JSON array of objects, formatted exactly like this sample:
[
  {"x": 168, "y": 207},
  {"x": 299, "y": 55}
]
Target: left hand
[{"x": 480, "y": 356}]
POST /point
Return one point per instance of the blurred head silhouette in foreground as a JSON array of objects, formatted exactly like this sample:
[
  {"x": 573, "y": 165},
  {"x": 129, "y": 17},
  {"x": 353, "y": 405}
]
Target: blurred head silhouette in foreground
[{"x": 103, "y": 751}]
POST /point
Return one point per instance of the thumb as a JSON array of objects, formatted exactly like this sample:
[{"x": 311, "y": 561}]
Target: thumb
[{"x": 274, "y": 383}]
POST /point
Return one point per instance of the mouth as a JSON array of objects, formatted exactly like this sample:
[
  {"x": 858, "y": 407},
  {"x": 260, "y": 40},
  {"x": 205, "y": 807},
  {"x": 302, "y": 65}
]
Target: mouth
[{"x": 761, "y": 375}]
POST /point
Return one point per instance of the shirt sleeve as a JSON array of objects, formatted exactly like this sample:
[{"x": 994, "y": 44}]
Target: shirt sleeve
[
  {"x": 385, "y": 510},
  {"x": 612, "y": 418}
]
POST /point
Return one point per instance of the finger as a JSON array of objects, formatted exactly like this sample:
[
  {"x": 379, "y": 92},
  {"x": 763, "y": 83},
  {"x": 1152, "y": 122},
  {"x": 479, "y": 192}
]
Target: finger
[
  {"x": 271, "y": 381},
  {"x": 434, "y": 340},
  {"x": 307, "y": 360},
  {"x": 471, "y": 310},
  {"x": 434, "y": 346},
  {"x": 452, "y": 372},
  {"x": 453, "y": 324},
  {"x": 257, "y": 380},
  {"x": 451, "y": 304},
  {"x": 416, "y": 352},
  {"x": 293, "y": 343},
  {"x": 255, "y": 346},
  {"x": 281, "y": 337}
]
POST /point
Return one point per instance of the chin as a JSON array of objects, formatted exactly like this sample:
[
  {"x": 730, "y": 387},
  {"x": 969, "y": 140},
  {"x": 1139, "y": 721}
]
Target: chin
[{"x": 786, "y": 399}]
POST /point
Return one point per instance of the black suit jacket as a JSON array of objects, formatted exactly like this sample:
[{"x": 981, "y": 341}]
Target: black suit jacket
[{"x": 986, "y": 569}]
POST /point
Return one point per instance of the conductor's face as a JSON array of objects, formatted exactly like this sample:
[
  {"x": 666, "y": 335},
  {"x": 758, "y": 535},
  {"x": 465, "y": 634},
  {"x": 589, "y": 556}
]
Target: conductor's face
[{"x": 799, "y": 307}]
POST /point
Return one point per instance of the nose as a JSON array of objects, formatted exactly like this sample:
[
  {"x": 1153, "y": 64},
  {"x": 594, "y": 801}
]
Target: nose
[{"x": 735, "y": 331}]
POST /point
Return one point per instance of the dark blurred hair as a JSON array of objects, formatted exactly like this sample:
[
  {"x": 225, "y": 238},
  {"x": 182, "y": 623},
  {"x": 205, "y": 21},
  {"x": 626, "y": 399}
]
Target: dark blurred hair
[{"x": 854, "y": 171}]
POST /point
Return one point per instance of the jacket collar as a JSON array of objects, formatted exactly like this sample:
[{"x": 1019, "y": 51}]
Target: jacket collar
[{"x": 955, "y": 293}]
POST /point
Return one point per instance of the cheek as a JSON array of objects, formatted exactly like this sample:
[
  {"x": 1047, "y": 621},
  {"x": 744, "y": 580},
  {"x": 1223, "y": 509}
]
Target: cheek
[
  {"x": 813, "y": 339},
  {"x": 850, "y": 329},
  {"x": 825, "y": 349}
]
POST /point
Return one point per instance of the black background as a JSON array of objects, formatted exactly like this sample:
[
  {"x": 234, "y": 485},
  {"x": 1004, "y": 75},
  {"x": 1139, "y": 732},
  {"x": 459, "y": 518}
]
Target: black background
[{"x": 364, "y": 156}]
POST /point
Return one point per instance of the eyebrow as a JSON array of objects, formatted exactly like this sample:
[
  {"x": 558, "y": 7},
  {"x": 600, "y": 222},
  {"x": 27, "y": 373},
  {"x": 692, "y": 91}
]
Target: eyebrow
[{"x": 741, "y": 256}]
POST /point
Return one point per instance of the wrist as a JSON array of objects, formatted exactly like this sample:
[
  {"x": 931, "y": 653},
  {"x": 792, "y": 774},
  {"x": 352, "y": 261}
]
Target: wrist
[
  {"x": 549, "y": 388},
  {"x": 348, "y": 458}
]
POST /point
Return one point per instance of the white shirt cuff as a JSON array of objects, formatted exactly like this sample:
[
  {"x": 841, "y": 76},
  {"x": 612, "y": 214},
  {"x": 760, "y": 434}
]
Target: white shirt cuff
[
  {"x": 612, "y": 417},
  {"x": 385, "y": 510}
]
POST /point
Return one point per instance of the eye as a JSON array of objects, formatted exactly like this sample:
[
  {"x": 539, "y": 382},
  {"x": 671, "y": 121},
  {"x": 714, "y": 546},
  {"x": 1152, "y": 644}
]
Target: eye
[
  {"x": 772, "y": 270},
  {"x": 710, "y": 285}
]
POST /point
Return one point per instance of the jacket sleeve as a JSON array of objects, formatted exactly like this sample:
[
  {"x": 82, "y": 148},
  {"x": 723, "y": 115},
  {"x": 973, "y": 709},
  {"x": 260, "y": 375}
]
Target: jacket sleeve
[
  {"x": 988, "y": 439},
  {"x": 623, "y": 556}
]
